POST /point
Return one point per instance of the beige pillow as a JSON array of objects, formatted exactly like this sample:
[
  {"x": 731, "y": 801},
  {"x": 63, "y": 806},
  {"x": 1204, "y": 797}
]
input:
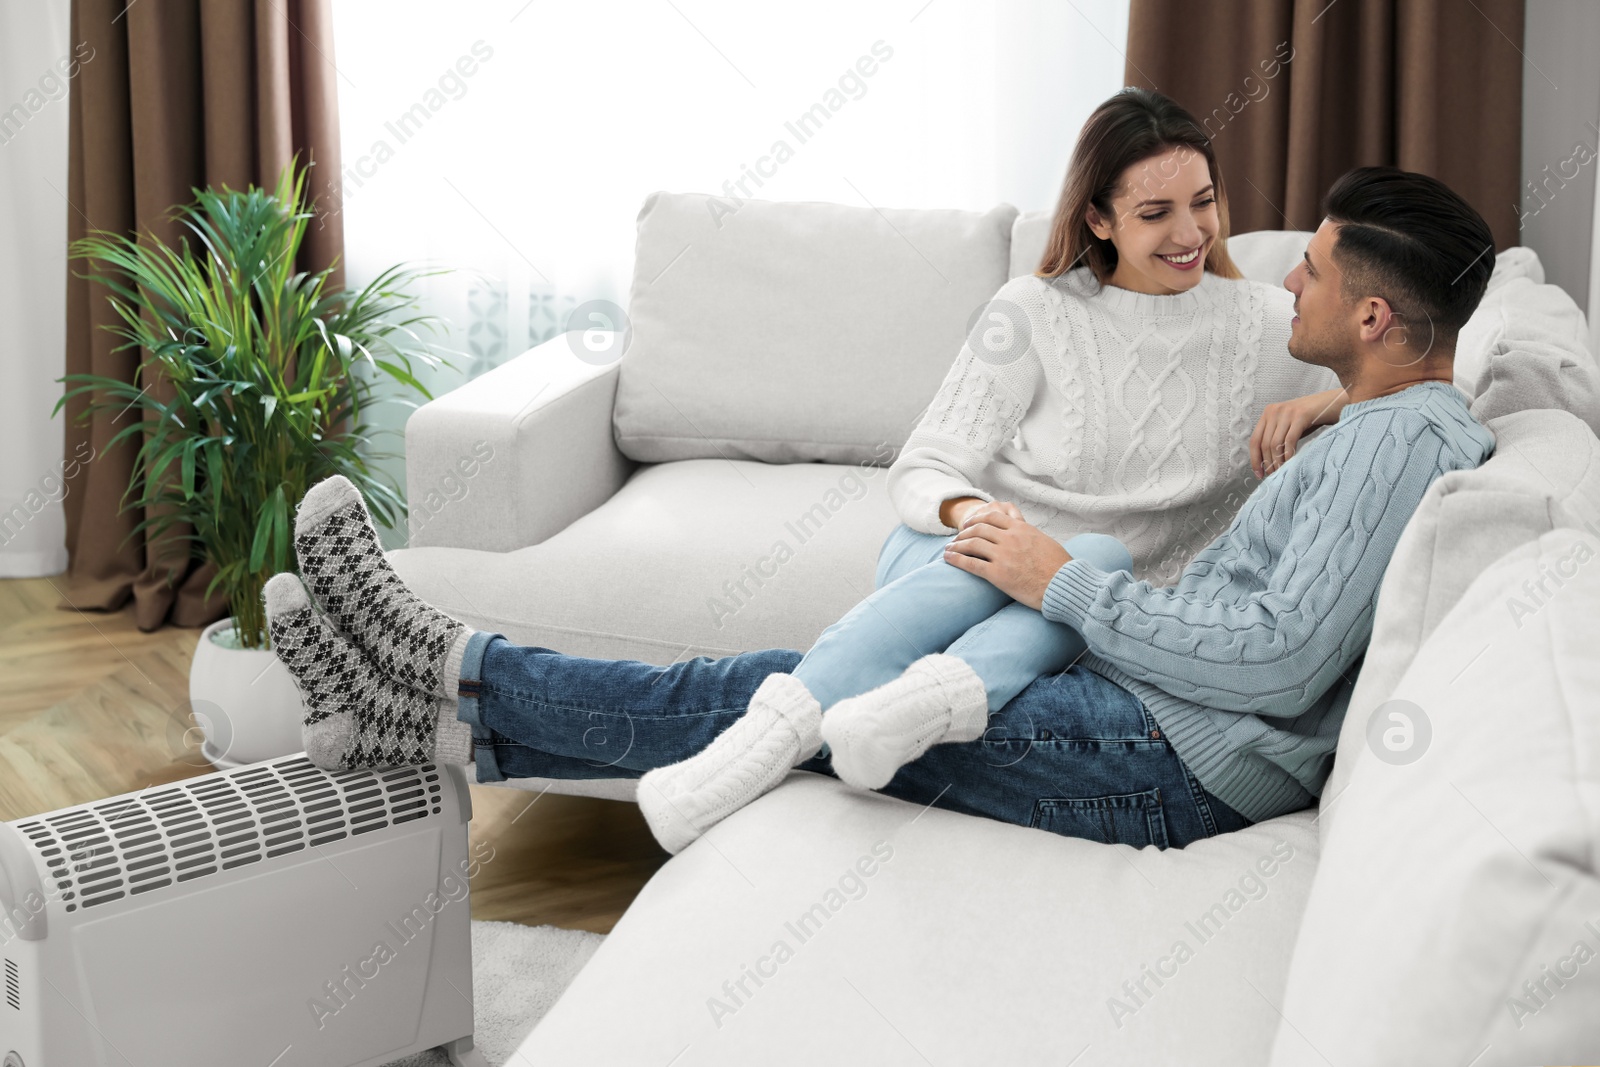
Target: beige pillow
[
  {"x": 796, "y": 332},
  {"x": 1455, "y": 918},
  {"x": 1544, "y": 473}
]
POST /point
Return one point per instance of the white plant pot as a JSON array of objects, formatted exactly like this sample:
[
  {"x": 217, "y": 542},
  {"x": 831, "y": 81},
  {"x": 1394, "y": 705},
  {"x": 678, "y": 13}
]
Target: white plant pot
[{"x": 244, "y": 701}]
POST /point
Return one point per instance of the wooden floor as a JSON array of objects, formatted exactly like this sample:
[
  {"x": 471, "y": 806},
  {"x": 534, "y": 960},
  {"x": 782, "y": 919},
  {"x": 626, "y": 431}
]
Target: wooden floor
[{"x": 91, "y": 708}]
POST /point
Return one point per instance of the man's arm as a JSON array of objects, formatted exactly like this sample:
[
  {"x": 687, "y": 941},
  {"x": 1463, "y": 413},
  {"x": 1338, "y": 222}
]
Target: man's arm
[{"x": 1272, "y": 649}]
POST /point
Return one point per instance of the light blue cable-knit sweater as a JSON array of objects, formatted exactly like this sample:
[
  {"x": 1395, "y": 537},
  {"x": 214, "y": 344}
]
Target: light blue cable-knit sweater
[{"x": 1245, "y": 662}]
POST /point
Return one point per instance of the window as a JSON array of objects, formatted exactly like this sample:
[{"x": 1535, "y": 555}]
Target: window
[{"x": 516, "y": 141}]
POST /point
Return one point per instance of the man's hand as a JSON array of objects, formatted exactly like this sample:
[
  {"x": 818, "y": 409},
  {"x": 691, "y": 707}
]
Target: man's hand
[
  {"x": 1004, "y": 550},
  {"x": 1281, "y": 426}
]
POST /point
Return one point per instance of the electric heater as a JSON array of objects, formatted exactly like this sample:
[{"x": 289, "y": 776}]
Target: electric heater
[{"x": 276, "y": 915}]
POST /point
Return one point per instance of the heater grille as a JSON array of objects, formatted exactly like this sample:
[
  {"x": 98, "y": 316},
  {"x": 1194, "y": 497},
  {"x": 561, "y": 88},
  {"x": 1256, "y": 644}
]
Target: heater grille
[
  {"x": 97, "y": 853},
  {"x": 13, "y": 986}
]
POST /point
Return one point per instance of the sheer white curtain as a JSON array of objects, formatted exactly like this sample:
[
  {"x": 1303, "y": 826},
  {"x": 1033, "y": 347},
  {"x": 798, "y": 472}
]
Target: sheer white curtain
[
  {"x": 35, "y": 63},
  {"x": 517, "y": 140}
]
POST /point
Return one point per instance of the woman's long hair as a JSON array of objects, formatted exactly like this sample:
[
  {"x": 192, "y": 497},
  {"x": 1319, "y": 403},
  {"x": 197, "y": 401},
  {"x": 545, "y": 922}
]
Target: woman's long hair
[{"x": 1134, "y": 125}]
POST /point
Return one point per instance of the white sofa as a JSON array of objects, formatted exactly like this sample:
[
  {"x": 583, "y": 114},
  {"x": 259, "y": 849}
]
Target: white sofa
[{"x": 773, "y": 360}]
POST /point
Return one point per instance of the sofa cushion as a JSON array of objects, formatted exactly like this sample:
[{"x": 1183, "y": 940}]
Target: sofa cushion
[
  {"x": 701, "y": 557},
  {"x": 1268, "y": 255},
  {"x": 794, "y": 332},
  {"x": 881, "y": 932},
  {"x": 1518, "y": 261},
  {"x": 1030, "y": 232},
  {"x": 1456, "y": 912},
  {"x": 1526, "y": 346},
  {"x": 1544, "y": 474}
]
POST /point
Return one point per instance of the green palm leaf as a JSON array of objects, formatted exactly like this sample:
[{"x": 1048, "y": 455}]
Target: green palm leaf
[{"x": 255, "y": 359}]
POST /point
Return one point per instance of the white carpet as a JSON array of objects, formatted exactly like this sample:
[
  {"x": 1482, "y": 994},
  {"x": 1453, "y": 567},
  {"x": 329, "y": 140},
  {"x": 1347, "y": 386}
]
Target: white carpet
[{"x": 517, "y": 974}]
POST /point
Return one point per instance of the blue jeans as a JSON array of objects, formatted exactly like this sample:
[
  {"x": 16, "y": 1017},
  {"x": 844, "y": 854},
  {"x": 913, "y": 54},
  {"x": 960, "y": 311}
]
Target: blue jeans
[{"x": 1071, "y": 753}]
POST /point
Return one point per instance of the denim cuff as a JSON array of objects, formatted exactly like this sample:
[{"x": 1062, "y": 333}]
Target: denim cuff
[{"x": 468, "y": 687}]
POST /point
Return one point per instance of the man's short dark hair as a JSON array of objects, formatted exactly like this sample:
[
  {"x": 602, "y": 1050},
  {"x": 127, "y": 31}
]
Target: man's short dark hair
[{"x": 1412, "y": 240}]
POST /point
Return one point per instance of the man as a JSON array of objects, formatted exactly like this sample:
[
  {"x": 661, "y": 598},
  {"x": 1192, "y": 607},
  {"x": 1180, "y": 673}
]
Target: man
[{"x": 1199, "y": 708}]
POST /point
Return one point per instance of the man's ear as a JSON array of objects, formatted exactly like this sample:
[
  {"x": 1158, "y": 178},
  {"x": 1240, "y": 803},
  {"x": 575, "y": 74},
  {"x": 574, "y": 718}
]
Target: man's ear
[
  {"x": 1405, "y": 342},
  {"x": 1377, "y": 319}
]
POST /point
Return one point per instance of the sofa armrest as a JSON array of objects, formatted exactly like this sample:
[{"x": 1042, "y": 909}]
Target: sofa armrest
[{"x": 515, "y": 455}]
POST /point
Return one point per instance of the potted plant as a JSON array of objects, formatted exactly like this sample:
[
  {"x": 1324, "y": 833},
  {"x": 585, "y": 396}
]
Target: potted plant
[{"x": 266, "y": 401}]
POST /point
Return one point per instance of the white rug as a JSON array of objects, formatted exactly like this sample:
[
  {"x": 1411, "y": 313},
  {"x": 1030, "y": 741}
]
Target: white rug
[{"x": 517, "y": 974}]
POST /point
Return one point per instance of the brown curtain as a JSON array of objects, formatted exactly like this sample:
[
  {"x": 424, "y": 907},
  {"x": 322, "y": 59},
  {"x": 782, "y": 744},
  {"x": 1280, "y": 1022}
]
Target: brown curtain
[
  {"x": 177, "y": 94},
  {"x": 1296, "y": 92}
]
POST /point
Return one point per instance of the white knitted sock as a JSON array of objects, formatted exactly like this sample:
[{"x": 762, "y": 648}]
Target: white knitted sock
[
  {"x": 871, "y": 736},
  {"x": 683, "y": 800}
]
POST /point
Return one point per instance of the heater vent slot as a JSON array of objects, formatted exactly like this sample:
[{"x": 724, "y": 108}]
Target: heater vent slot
[
  {"x": 98, "y": 853},
  {"x": 13, "y": 986}
]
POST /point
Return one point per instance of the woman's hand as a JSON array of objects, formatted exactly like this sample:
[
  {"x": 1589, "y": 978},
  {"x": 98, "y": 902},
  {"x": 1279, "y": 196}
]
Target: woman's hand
[
  {"x": 1281, "y": 426},
  {"x": 985, "y": 512},
  {"x": 959, "y": 511}
]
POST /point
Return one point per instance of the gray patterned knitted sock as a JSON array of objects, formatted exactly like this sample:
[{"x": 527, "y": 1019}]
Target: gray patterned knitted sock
[
  {"x": 355, "y": 716},
  {"x": 342, "y": 561}
]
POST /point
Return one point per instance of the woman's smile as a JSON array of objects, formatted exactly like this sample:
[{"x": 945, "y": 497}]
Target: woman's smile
[{"x": 1188, "y": 260}]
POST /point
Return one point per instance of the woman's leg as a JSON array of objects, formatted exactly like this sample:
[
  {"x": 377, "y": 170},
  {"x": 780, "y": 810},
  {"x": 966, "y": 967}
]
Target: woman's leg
[
  {"x": 904, "y": 550},
  {"x": 922, "y": 604},
  {"x": 1017, "y": 644},
  {"x": 944, "y": 697}
]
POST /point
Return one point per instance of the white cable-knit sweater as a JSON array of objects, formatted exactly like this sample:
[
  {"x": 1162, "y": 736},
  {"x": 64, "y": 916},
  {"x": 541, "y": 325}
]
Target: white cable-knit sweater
[{"x": 1101, "y": 409}]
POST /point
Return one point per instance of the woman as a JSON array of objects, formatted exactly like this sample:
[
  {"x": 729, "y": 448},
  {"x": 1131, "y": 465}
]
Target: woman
[{"x": 1110, "y": 404}]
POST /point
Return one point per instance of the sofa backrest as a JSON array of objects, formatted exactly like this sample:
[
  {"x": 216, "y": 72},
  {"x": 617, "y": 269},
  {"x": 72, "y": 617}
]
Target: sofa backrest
[
  {"x": 815, "y": 332},
  {"x": 1544, "y": 475},
  {"x": 796, "y": 332},
  {"x": 1456, "y": 894}
]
